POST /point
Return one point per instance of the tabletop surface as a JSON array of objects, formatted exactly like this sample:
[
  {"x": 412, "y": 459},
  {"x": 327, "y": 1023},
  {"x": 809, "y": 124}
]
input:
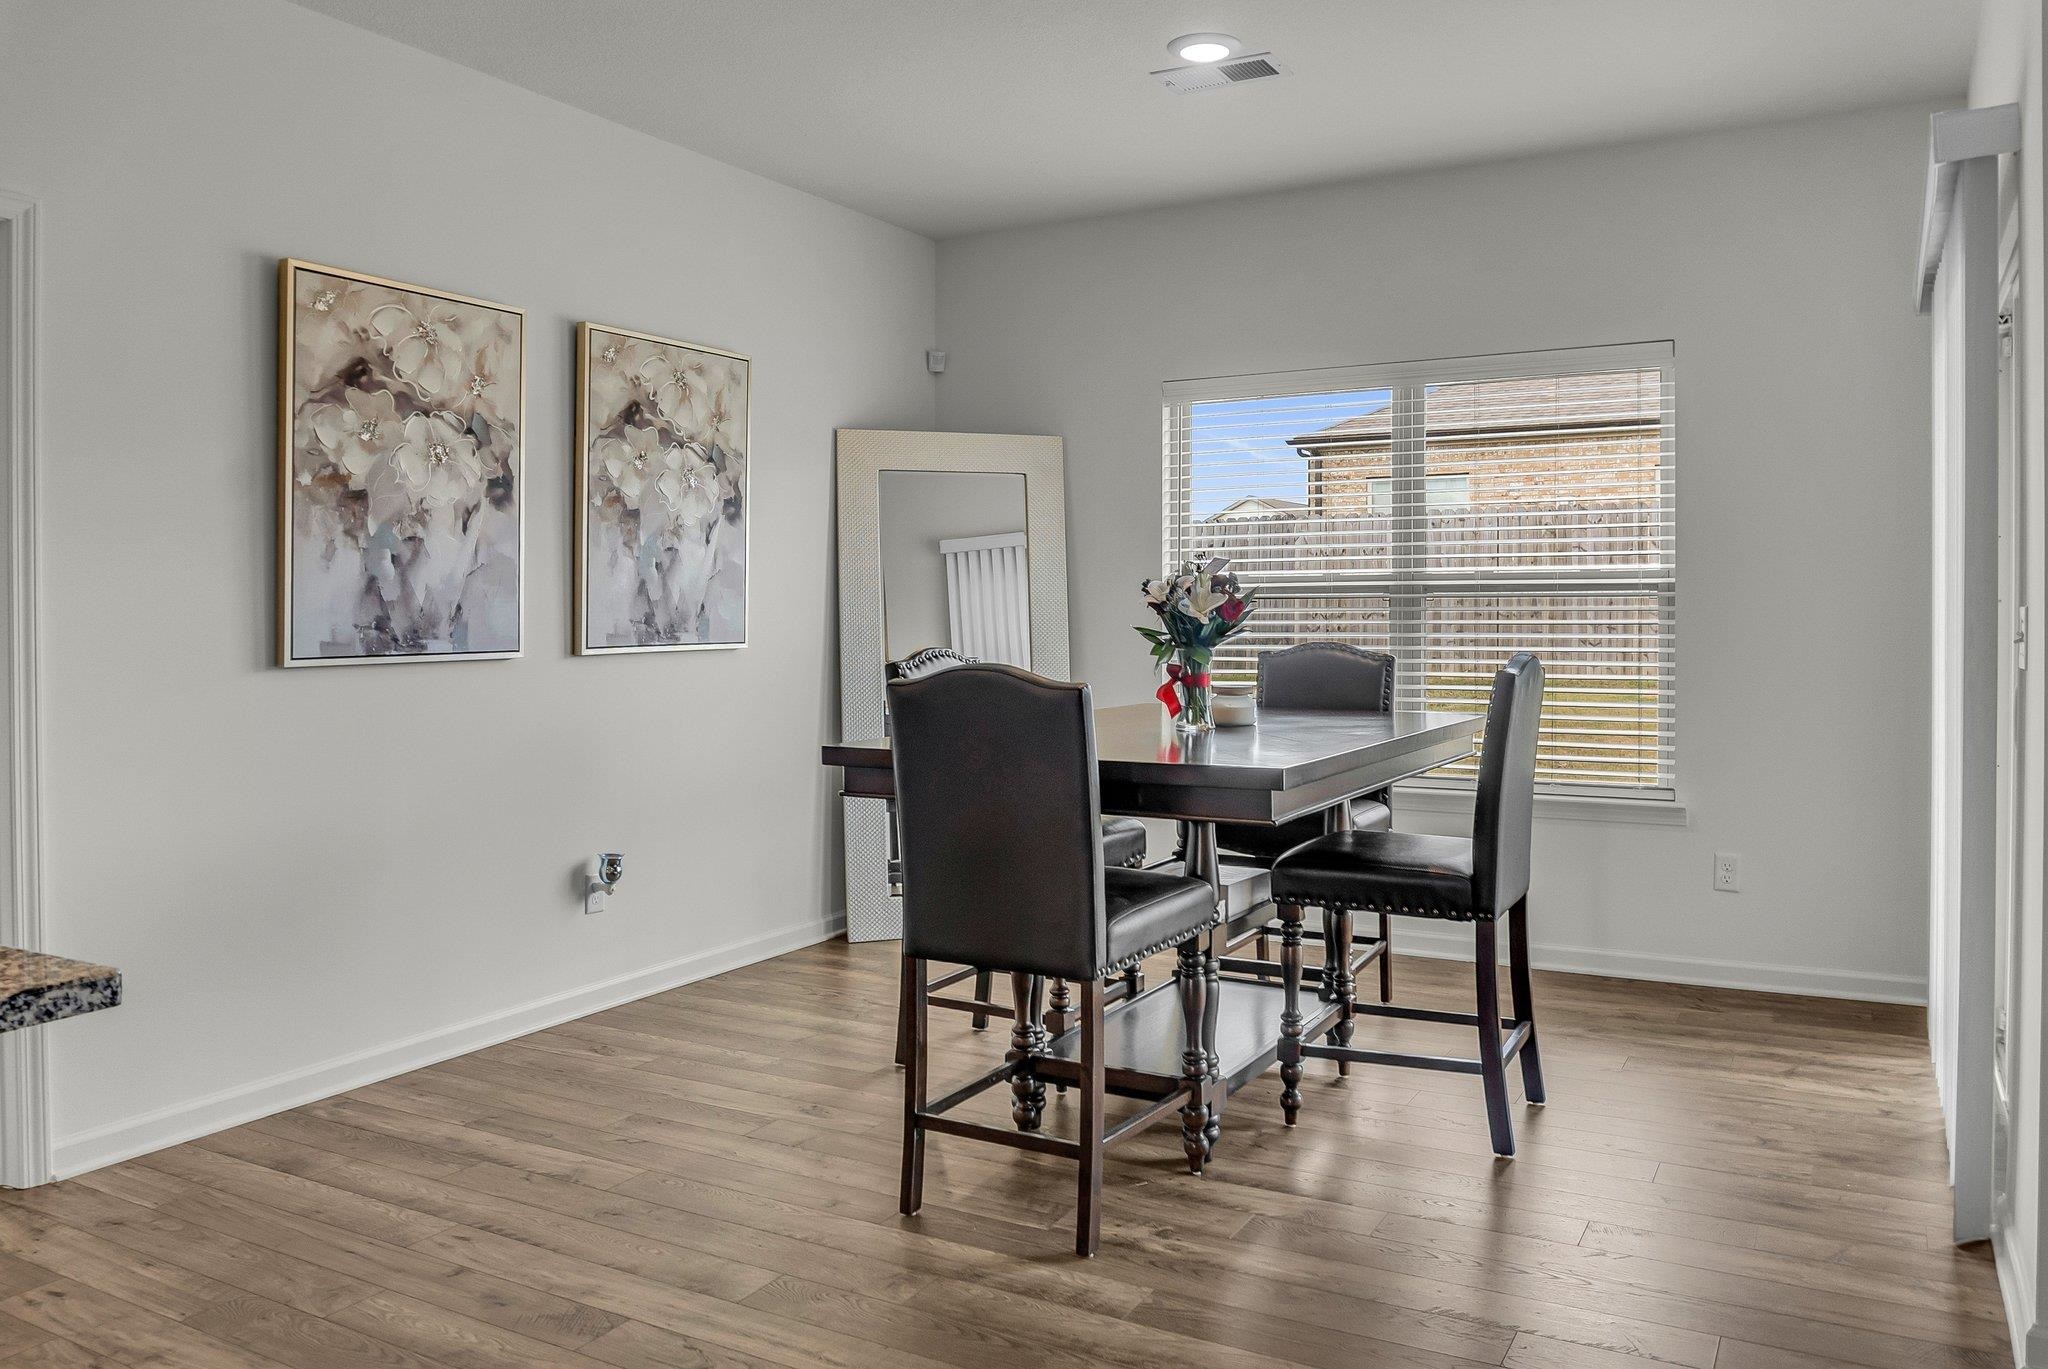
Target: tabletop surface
[
  {"x": 1284, "y": 749},
  {"x": 37, "y": 988}
]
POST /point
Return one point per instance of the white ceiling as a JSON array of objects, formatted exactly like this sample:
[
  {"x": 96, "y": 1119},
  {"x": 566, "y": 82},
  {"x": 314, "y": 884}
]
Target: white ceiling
[{"x": 954, "y": 116}]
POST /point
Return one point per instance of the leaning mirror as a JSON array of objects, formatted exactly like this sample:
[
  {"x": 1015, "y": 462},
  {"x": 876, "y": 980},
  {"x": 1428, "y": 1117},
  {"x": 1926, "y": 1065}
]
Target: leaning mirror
[{"x": 954, "y": 540}]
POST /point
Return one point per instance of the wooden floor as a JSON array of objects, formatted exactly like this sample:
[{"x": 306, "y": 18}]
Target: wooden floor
[{"x": 708, "y": 1178}]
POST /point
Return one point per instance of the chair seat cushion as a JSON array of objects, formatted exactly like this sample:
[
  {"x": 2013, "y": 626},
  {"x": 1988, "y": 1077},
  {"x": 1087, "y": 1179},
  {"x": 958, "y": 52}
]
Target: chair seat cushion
[
  {"x": 1387, "y": 872},
  {"x": 1123, "y": 841},
  {"x": 1150, "y": 909},
  {"x": 1264, "y": 845}
]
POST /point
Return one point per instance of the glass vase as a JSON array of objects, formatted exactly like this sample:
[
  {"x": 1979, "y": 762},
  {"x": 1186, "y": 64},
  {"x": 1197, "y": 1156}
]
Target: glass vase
[{"x": 1196, "y": 692}]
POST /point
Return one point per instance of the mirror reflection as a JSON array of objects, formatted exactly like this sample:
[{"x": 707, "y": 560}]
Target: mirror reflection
[{"x": 955, "y": 565}]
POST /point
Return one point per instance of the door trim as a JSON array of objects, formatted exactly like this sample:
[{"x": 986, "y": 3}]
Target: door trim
[{"x": 24, "y": 1065}]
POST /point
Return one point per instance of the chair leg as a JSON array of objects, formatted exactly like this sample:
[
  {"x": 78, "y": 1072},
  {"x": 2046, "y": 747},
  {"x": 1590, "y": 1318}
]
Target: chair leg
[
  {"x": 1491, "y": 1071},
  {"x": 1386, "y": 959},
  {"x": 1524, "y": 998},
  {"x": 984, "y": 985},
  {"x": 1290, "y": 1013},
  {"x": 1059, "y": 1010},
  {"x": 1263, "y": 947},
  {"x": 1194, "y": 1059},
  {"x": 1027, "y": 1091},
  {"x": 1326, "y": 987},
  {"x": 1134, "y": 981},
  {"x": 1343, "y": 984},
  {"x": 913, "y": 1016},
  {"x": 1059, "y": 1015},
  {"x": 1088, "y": 1212}
]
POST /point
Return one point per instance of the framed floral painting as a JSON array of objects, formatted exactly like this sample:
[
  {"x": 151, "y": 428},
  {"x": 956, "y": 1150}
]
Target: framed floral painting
[
  {"x": 401, "y": 418},
  {"x": 661, "y": 480}
]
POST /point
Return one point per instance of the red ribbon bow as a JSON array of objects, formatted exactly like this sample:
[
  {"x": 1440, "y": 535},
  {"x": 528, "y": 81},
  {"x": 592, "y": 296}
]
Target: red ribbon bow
[{"x": 1179, "y": 679}]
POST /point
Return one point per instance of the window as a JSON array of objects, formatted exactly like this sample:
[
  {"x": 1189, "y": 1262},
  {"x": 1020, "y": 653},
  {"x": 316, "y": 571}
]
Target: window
[{"x": 1454, "y": 513}]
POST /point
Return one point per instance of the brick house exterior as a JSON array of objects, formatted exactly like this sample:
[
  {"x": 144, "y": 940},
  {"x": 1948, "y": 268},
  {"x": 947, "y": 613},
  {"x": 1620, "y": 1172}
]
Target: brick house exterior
[{"x": 1588, "y": 438}]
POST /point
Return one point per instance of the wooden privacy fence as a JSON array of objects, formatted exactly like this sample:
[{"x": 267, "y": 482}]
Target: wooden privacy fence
[{"x": 1585, "y": 585}]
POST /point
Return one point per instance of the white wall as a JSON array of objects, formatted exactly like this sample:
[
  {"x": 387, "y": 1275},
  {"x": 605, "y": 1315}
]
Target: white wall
[
  {"x": 1777, "y": 259},
  {"x": 2008, "y": 69},
  {"x": 919, "y": 508},
  {"x": 314, "y": 876}
]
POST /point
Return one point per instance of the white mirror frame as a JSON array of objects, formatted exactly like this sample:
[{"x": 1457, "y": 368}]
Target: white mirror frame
[{"x": 872, "y": 913}]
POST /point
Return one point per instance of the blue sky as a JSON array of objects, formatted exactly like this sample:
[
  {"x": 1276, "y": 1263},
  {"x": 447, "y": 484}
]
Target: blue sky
[{"x": 1239, "y": 447}]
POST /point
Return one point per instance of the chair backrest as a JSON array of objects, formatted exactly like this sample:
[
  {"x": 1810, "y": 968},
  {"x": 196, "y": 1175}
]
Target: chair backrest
[
  {"x": 1504, "y": 810},
  {"x": 926, "y": 661},
  {"x": 1000, "y": 812},
  {"x": 1327, "y": 675}
]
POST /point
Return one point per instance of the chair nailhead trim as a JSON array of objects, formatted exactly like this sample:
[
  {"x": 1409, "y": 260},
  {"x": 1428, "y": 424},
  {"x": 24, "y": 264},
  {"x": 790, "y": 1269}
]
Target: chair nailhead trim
[
  {"x": 1159, "y": 946},
  {"x": 1312, "y": 900}
]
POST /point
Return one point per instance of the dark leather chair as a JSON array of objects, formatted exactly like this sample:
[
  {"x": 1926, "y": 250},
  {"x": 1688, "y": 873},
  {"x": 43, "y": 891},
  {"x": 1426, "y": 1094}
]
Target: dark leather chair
[
  {"x": 1317, "y": 675},
  {"x": 996, "y": 792},
  {"x": 1483, "y": 880},
  {"x": 1123, "y": 838},
  {"x": 1320, "y": 675},
  {"x": 1123, "y": 843}
]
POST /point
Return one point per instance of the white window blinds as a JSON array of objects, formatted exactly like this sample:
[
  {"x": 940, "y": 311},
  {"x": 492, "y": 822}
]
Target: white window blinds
[{"x": 1454, "y": 513}]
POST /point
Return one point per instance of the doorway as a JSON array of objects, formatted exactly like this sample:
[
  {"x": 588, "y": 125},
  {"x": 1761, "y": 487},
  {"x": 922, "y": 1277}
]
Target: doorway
[
  {"x": 2014, "y": 651},
  {"x": 24, "y": 1116}
]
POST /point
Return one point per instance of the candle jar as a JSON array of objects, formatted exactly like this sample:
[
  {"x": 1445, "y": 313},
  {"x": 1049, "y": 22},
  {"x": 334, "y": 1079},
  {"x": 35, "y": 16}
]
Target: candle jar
[{"x": 1234, "y": 705}]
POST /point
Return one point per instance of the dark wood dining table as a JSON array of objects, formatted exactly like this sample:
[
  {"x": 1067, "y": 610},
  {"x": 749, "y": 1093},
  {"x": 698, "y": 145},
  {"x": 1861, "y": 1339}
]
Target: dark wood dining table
[{"x": 1289, "y": 764}]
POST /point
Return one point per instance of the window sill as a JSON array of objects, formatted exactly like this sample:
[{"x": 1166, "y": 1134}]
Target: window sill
[{"x": 1550, "y": 807}]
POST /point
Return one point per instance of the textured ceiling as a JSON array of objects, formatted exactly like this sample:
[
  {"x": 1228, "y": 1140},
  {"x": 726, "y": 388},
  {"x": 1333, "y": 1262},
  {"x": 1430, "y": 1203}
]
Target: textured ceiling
[{"x": 954, "y": 116}]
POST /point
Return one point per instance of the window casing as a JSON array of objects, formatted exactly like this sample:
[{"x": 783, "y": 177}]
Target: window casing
[{"x": 1454, "y": 512}]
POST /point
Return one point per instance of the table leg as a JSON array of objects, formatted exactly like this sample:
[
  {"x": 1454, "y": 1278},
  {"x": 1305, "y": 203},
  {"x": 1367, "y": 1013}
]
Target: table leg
[
  {"x": 1203, "y": 861},
  {"x": 1194, "y": 1113},
  {"x": 1212, "y": 985}
]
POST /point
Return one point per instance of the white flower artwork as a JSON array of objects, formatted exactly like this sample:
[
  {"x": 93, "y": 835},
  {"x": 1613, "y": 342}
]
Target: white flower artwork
[
  {"x": 401, "y": 434},
  {"x": 661, "y": 467}
]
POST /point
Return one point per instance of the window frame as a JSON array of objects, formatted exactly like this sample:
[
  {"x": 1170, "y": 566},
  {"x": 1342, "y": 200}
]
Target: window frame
[{"x": 1408, "y": 583}]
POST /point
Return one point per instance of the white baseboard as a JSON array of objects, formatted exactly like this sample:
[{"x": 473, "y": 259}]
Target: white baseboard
[
  {"x": 1448, "y": 943},
  {"x": 2016, "y": 1285},
  {"x": 124, "y": 1140}
]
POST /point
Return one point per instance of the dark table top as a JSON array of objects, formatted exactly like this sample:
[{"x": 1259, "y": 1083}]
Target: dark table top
[{"x": 1140, "y": 754}]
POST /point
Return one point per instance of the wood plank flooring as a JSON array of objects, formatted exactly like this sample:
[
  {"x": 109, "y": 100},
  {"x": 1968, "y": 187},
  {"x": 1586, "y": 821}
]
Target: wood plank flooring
[{"x": 708, "y": 1178}]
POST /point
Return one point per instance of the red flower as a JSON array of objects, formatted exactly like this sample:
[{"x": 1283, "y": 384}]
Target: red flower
[{"x": 1232, "y": 610}]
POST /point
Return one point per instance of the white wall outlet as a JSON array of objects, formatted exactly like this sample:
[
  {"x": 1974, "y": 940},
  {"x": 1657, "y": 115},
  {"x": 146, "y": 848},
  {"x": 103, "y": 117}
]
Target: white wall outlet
[{"x": 1727, "y": 872}]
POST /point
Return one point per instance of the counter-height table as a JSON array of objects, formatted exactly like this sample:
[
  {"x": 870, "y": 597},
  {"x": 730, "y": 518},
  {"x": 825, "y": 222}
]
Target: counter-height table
[
  {"x": 37, "y": 988},
  {"x": 1288, "y": 765}
]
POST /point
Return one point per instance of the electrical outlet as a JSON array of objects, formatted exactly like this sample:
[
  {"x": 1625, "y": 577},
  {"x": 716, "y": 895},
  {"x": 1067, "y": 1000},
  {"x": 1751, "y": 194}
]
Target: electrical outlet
[
  {"x": 604, "y": 875},
  {"x": 1727, "y": 872}
]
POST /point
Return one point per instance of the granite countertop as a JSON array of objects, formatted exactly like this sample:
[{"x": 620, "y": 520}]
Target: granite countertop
[{"x": 37, "y": 988}]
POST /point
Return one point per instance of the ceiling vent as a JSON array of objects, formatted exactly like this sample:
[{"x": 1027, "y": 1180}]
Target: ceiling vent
[{"x": 1252, "y": 66}]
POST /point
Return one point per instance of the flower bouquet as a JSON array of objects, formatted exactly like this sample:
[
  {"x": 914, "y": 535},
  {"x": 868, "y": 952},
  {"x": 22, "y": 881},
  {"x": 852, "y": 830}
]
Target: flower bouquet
[{"x": 1200, "y": 605}]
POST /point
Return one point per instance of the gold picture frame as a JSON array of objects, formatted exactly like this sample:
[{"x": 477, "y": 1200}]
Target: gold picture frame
[
  {"x": 401, "y": 471},
  {"x": 661, "y": 494}
]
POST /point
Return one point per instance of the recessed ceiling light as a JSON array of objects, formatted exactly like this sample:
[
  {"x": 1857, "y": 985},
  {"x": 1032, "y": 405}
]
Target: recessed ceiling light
[{"x": 1203, "y": 47}]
